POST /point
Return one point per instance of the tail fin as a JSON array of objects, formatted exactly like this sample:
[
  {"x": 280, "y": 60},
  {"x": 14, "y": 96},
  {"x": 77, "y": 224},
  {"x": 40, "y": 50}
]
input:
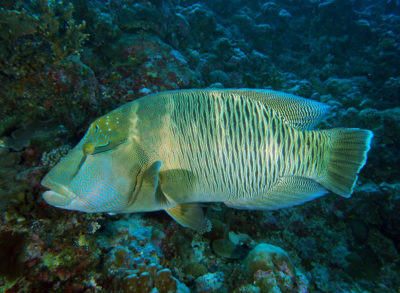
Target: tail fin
[{"x": 348, "y": 154}]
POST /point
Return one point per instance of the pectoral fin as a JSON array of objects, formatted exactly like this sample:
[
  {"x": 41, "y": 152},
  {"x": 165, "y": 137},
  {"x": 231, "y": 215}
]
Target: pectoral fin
[
  {"x": 189, "y": 215},
  {"x": 173, "y": 187},
  {"x": 147, "y": 183},
  {"x": 150, "y": 179},
  {"x": 176, "y": 187},
  {"x": 161, "y": 198},
  {"x": 150, "y": 175},
  {"x": 176, "y": 184}
]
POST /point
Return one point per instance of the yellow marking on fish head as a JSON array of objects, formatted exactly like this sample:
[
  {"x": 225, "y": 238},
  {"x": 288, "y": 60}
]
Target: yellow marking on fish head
[{"x": 106, "y": 133}]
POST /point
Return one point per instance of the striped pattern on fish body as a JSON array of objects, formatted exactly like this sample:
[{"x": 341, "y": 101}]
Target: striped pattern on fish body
[
  {"x": 253, "y": 149},
  {"x": 235, "y": 146}
]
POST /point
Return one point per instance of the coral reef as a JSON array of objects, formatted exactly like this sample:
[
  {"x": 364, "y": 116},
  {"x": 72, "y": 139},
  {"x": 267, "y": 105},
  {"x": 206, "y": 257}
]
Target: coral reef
[
  {"x": 272, "y": 271},
  {"x": 64, "y": 63},
  {"x": 36, "y": 38}
]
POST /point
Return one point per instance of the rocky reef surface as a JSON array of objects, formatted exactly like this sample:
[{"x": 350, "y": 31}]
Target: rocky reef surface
[{"x": 64, "y": 63}]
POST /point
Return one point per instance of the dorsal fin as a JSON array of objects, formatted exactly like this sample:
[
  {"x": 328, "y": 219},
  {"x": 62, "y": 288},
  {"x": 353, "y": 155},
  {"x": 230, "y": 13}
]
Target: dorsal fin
[{"x": 298, "y": 112}]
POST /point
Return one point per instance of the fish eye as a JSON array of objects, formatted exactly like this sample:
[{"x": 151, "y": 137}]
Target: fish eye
[{"x": 88, "y": 148}]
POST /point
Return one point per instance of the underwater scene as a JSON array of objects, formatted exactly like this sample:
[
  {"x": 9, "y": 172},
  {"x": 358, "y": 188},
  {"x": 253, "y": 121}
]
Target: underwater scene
[{"x": 200, "y": 146}]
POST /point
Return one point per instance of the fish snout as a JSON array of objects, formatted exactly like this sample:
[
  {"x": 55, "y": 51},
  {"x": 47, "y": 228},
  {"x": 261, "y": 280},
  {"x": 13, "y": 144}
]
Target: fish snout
[
  {"x": 59, "y": 195},
  {"x": 56, "y": 199}
]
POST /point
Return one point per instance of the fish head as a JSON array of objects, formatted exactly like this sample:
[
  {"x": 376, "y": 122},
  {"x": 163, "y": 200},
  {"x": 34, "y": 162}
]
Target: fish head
[{"x": 95, "y": 175}]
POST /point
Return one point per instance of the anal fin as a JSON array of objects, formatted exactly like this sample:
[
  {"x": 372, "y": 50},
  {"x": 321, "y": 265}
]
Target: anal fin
[
  {"x": 289, "y": 191},
  {"x": 189, "y": 215}
]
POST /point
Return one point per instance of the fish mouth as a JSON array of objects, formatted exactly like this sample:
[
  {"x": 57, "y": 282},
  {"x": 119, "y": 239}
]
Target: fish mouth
[
  {"x": 59, "y": 195},
  {"x": 56, "y": 199}
]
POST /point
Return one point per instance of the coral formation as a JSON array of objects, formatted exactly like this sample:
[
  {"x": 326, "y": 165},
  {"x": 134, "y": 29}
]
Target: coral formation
[
  {"x": 226, "y": 249},
  {"x": 51, "y": 158},
  {"x": 209, "y": 282},
  {"x": 64, "y": 63},
  {"x": 272, "y": 271},
  {"x": 36, "y": 37},
  {"x": 149, "y": 279}
]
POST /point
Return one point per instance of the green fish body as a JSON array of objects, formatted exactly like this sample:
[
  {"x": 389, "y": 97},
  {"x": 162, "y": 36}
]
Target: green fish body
[{"x": 251, "y": 149}]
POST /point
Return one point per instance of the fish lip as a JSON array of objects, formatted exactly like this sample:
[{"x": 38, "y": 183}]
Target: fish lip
[
  {"x": 55, "y": 199},
  {"x": 57, "y": 189}
]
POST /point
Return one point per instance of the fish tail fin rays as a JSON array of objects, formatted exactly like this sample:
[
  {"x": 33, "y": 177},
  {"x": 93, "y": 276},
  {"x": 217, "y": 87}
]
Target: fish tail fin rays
[
  {"x": 289, "y": 191},
  {"x": 191, "y": 216},
  {"x": 347, "y": 155}
]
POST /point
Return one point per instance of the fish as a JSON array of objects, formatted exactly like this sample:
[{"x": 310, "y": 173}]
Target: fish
[{"x": 178, "y": 150}]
